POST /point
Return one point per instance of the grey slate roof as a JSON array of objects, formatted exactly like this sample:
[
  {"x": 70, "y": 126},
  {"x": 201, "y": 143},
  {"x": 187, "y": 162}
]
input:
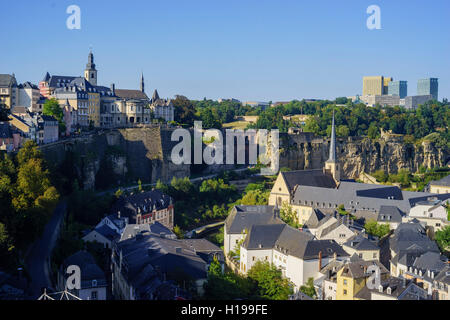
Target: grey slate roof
[
  {"x": 131, "y": 94},
  {"x": 244, "y": 217},
  {"x": 361, "y": 243},
  {"x": 444, "y": 275},
  {"x": 432, "y": 261},
  {"x": 360, "y": 269},
  {"x": 143, "y": 201},
  {"x": 89, "y": 269},
  {"x": 359, "y": 196},
  {"x": 410, "y": 235},
  {"x": 7, "y": 80},
  {"x": 390, "y": 214},
  {"x": 290, "y": 241},
  {"x": 312, "y": 178},
  {"x": 107, "y": 232},
  {"x": 150, "y": 252},
  {"x": 398, "y": 286},
  {"x": 445, "y": 182}
]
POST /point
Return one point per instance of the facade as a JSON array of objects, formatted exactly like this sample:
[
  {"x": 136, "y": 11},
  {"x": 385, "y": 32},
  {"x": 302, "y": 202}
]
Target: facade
[
  {"x": 162, "y": 108},
  {"x": 48, "y": 129},
  {"x": 413, "y": 102},
  {"x": 362, "y": 247},
  {"x": 9, "y": 95},
  {"x": 146, "y": 208},
  {"x": 353, "y": 277},
  {"x": 382, "y": 100},
  {"x": 430, "y": 212},
  {"x": 398, "y": 88},
  {"x": 429, "y": 86},
  {"x": 373, "y": 86},
  {"x": 93, "y": 280},
  {"x": 440, "y": 186},
  {"x": 29, "y": 96},
  {"x": 146, "y": 262}
]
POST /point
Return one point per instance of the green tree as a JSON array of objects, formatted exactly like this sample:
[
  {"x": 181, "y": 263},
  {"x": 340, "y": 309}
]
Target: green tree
[
  {"x": 288, "y": 215},
  {"x": 140, "y": 185},
  {"x": 270, "y": 282},
  {"x": 309, "y": 289},
  {"x": 52, "y": 108},
  {"x": 442, "y": 238},
  {"x": 372, "y": 227},
  {"x": 178, "y": 232}
]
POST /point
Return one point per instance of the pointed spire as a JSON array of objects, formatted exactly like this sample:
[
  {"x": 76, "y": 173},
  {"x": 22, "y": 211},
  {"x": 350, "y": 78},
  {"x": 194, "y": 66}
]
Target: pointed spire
[
  {"x": 332, "y": 157},
  {"x": 47, "y": 77},
  {"x": 142, "y": 82},
  {"x": 155, "y": 96}
]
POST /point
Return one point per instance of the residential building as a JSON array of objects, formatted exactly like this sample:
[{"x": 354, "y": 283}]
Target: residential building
[
  {"x": 441, "y": 285},
  {"x": 162, "y": 108},
  {"x": 440, "y": 186},
  {"x": 26, "y": 125},
  {"x": 134, "y": 105},
  {"x": 390, "y": 215},
  {"x": 142, "y": 264},
  {"x": 408, "y": 242},
  {"x": 9, "y": 95},
  {"x": 398, "y": 88},
  {"x": 354, "y": 276},
  {"x": 394, "y": 289},
  {"x": 293, "y": 251},
  {"x": 429, "y": 86},
  {"x": 93, "y": 280},
  {"x": 431, "y": 212},
  {"x": 146, "y": 207},
  {"x": 48, "y": 129},
  {"x": 6, "y": 137},
  {"x": 362, "y": 247},
  {"x": 29, "y": 96}
]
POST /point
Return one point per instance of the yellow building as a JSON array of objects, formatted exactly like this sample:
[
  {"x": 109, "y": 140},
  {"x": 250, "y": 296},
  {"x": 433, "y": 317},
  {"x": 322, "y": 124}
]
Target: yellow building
[
  {"x": 8, "y": 90},
  {"x": 376, "y": 85},
  {"x": 353, "y": 276}
]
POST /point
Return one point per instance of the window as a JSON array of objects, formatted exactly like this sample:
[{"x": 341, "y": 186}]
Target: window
[
  {"x": 375, "y": 255},
  {"x": 94, "y": 295},
  {"x": 267, "y": 258},
  {"x": 345, "y": 282},
  {"x": 345, "y": 292}
]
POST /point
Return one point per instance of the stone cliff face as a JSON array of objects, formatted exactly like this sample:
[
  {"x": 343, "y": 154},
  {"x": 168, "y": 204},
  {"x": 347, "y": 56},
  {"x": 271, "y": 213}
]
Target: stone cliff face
[
  {"x": 145, "y": 153},
  {"x": 130, "y": 154},
  {"x": 356, "y": 155}
]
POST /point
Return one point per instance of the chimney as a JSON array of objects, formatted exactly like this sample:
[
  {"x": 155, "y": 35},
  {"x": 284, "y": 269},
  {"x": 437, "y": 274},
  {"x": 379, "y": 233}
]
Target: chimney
[
  {"x": 335, "y": 256},
  {"x": 320, "y": 260}
]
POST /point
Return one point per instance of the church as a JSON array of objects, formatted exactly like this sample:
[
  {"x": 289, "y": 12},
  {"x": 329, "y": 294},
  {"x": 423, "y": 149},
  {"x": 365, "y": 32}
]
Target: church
[{"x": 310, "y": 190}]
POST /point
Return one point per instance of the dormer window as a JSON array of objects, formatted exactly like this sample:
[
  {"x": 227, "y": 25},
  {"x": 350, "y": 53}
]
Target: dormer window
[{"x": 94, "y": 283}]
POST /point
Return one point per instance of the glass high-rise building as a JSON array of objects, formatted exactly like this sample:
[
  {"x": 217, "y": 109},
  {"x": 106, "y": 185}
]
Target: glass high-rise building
[
  {"x": 427, "y": 87},
  {"x": 398, "y": 88}
]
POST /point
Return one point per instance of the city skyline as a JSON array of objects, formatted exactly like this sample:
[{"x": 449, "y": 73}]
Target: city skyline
[{"x": 246, "y": 51}]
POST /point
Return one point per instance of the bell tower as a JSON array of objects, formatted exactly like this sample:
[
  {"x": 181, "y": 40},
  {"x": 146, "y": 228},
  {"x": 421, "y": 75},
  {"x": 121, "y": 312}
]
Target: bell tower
[
  {"x": 90, "y": 73},
  {"x": 332, "y": 165}
]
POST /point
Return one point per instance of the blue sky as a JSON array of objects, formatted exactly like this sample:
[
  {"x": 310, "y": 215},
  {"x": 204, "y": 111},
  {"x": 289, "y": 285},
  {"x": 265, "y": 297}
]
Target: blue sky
[{"x": 247, "y": 49}]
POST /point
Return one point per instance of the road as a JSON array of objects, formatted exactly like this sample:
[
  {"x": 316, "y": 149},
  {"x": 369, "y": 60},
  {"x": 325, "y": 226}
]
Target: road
[
  {"x": 201, "y": 229},
  {"x": 38, "y": 259}
]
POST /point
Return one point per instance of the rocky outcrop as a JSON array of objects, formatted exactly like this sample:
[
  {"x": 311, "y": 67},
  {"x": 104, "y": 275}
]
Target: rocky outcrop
[
  {"x": 356, "y": 155},
  {"x": 145, "y": 154}
]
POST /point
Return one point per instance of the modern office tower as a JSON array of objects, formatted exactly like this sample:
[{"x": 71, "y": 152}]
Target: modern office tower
[
  {"x": 386, "y": 82},
  {"x": 376, "y": 86},
  {"x": 428, "y": 87},
  {"x": 398, "y": 88},
  {"x": 373, "y": 86}
]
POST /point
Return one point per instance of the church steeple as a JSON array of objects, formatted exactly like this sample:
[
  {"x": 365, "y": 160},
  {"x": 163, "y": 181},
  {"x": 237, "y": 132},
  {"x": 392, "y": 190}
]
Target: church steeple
[
  {"x": 333, "y": 142},
  {"x": 331, "y": 165},
  {"x": 90, "y": 73},
  {"x": 142, "y": 83}
]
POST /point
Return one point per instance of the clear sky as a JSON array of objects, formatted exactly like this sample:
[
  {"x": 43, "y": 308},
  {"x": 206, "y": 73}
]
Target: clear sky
[{"x": 246, "y": 49}]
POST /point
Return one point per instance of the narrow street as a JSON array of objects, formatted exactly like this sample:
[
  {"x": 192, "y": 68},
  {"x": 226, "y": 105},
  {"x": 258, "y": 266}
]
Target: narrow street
[{"x": 37, "y": 262}]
